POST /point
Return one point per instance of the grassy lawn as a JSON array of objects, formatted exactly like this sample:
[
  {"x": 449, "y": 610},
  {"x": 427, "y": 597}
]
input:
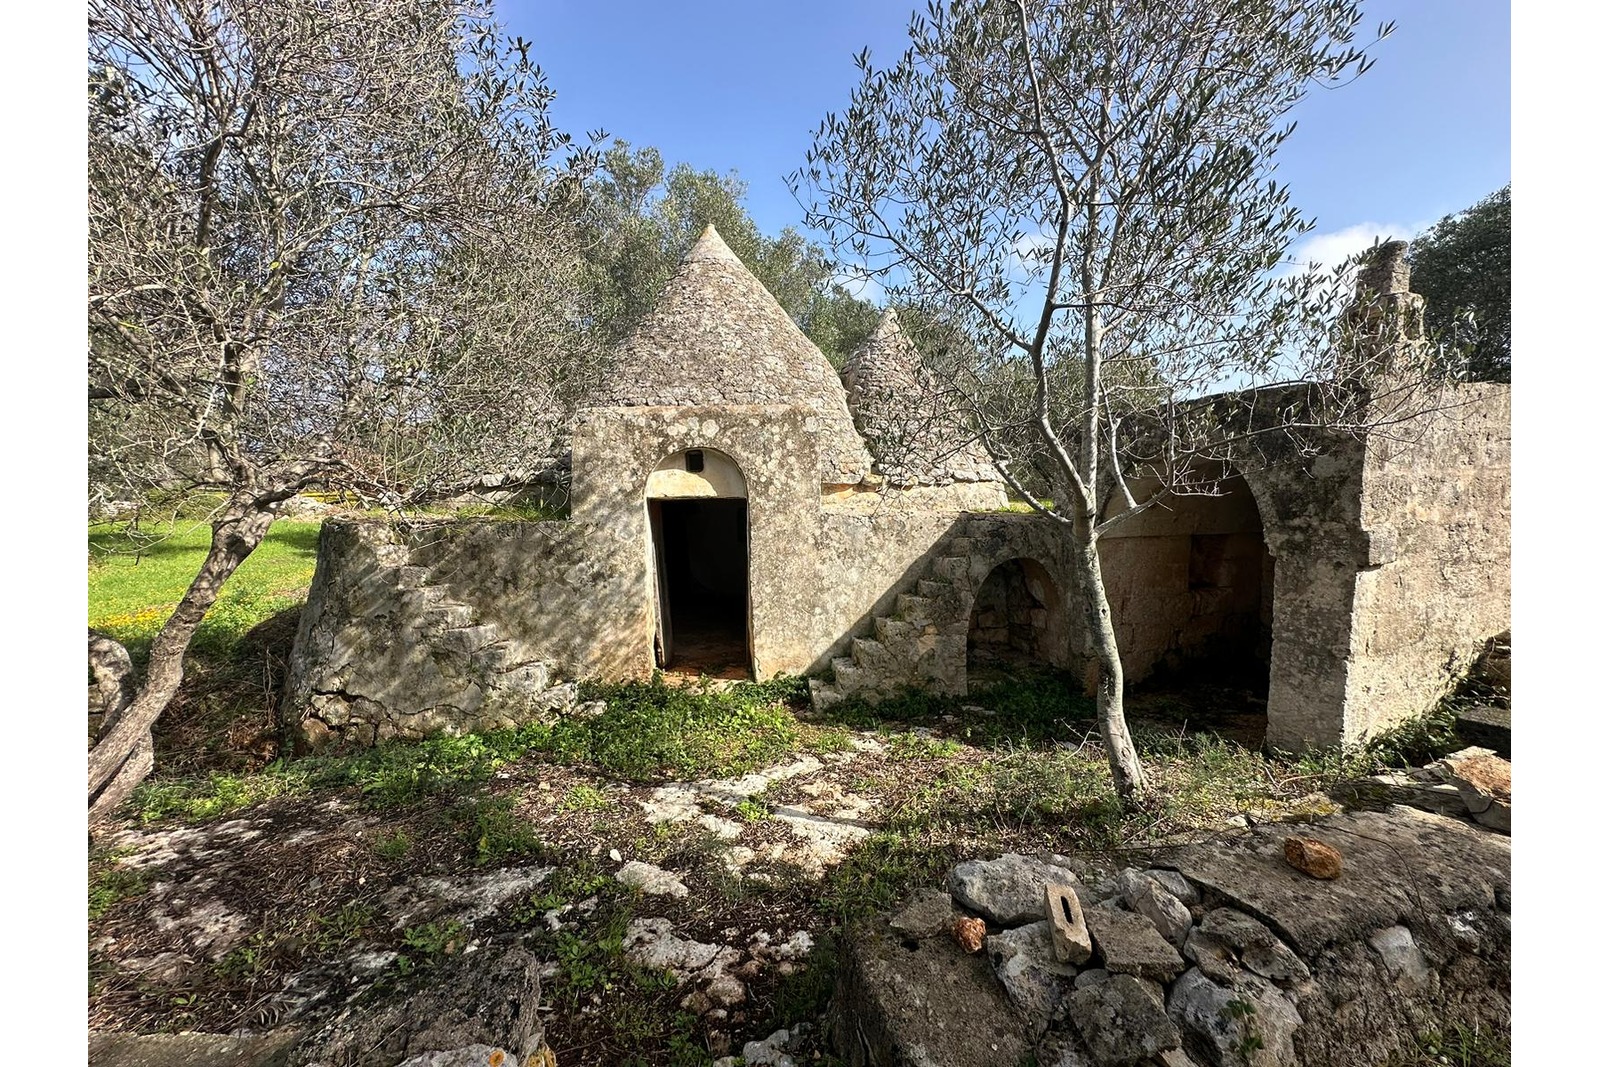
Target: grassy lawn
[
  {"x": 224, "y": 717},
  {"x": 137, "y": 577}
]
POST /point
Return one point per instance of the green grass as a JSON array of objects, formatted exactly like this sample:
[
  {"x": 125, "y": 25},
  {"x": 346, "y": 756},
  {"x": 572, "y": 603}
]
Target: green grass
[
  {"x": 1028, "y": 708},
  {"x": 648, "y": 732},
  {"x": 137, "y": 576},
  {"x": 113, "y": 884},
  {"x": 655, "y": 731},
  {"x": 497, "y": 833},
  {"x": 1462, "y": 1046}
]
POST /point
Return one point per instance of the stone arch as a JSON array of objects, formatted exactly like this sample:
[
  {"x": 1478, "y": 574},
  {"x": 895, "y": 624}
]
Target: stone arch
[
  {"x": 683, "y": 476},
  {"x": 1191, "y": 585},
  {"x": 1017, "y": 616}
]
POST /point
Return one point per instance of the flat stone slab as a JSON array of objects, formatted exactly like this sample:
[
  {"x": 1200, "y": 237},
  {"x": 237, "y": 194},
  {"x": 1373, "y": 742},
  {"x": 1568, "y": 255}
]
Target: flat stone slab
[
  {"x": 928, "y": 1006},
  {"x": 1129, "y": 943},
  {"x": 191, "y": 1050},
  {"x": 1398, "y": 864}
]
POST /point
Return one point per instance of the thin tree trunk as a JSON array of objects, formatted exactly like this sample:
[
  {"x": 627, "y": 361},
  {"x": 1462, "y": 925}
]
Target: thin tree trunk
[
  {"x": 122, "y": 755},
  {"x": 1127, "y": 773}
]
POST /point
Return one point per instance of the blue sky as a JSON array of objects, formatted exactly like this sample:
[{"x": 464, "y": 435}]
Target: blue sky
[{"x": 740, "y": 85}]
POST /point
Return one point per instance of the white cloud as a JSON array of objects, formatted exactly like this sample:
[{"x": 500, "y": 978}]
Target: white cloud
[{"x": 1328, "y": 250}]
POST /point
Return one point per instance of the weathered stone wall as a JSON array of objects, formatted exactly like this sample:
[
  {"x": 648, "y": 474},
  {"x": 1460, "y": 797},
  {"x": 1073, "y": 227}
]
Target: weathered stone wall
[
  {"x": 1440, "y": 495},
  {"x": 408, "y": 631},
  {"x": 614, "y": 452},
  {"x": 1311, "y": 520}
]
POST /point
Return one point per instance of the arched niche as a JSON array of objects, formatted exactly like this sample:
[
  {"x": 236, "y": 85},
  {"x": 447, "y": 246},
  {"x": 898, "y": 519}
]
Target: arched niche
[
  {"x": 1016, "y": 620},
  {"x": 695, "y": 473}
]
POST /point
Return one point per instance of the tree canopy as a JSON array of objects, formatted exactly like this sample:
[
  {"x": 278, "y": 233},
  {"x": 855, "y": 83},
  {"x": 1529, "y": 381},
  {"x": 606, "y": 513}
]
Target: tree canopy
[
  {"x": 326, "y": 247},
  {"x": 1085, "y": 190},
  {"x": 1462, "y": 264}
]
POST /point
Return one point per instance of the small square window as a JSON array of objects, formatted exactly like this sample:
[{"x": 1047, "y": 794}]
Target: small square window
[{"x": 694, "y": 461}]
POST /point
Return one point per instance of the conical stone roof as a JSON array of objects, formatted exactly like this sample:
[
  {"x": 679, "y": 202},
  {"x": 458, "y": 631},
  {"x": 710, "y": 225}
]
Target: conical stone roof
[
  {"x": 718, "y": 337},
  {"x": 912, "y": 429}
]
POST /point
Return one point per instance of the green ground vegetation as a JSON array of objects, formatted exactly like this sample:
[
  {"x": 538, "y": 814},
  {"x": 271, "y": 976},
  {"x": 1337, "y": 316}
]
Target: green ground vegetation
[{"x": 138, "y": 574}]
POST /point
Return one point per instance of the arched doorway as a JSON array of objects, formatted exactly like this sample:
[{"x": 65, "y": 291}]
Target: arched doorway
[
  {"x": 699, "y": 529},
  {"x": 1016, "y": 621}
]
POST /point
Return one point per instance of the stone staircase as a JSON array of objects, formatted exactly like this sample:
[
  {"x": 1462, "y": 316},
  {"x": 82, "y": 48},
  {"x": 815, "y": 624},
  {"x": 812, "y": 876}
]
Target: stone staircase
[
  {"x": 476, "y": 678},
  {"x": 920, "y": 644}
]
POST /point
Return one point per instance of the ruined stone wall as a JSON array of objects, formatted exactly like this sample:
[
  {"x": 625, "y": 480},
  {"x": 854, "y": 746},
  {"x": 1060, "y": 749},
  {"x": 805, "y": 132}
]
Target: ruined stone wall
[
  {"x": 1437, "y": 499},
  {"x": 445, "y": 627},
  {"x": 1311, "y": 520}
]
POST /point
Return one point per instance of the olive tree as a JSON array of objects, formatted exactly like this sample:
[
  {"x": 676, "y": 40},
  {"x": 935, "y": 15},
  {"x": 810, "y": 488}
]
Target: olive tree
[
  {"x": 327, "y": 247},
  {"x": 1084, "y": 189}
]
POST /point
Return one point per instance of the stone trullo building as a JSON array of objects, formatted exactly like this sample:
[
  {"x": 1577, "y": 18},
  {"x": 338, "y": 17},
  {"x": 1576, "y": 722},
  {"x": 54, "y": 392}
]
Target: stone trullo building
[{"x": 738, "y": 508}]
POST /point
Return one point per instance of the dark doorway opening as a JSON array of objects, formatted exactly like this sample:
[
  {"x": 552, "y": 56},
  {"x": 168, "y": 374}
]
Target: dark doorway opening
[{"x": 703, "y": 582}]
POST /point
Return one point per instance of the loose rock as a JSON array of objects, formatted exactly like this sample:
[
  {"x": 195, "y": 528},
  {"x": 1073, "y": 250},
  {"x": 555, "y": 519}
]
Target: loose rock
[
  {"x": 650, "y": 879},
  {"x": 1121, "y": 1023},
  {"x": 1250, "y": 1025},
  {"x": 927, "y": 913},
  {"x": 1069, "y": 936},
  {"x": 1147, "y": 896},
  {"x": 1257, "y": 947},
  {"x": 1129, "y": 943},
  {"x": 1007, "y": 891},
  {"x": 1313, "y": 857},
  {"x": 968, "y": 933},
  {"x": 1024, "y": 961}
]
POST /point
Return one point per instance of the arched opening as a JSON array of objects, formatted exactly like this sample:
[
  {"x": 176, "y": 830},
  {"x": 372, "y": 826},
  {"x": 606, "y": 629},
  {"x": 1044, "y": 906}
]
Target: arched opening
[
  {"x": 699, "y": 527},
  {"x": 1190, "y": 582},
  {"x": 1016, "y": 622}
]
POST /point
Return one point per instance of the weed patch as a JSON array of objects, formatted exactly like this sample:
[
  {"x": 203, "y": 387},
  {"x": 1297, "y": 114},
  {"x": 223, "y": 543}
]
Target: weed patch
[
  {"x": 654, "y": 731},
  {"x": 113, "y": 885},
  {"x": 393, "y": 846},
  {"x": 497, "y": 833}
]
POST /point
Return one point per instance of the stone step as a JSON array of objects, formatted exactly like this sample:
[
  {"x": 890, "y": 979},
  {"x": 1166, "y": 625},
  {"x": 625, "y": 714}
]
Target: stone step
[
  {"x": 873, "y": 656},
  {"x": 423, "y": 598},
  {"x": 952, "y": 568},
  {"x": 958, "y": 546},
  {"x": 934, "y": 589},
  {"x": 911, "y": 607},
  {"x": 449, "y": 615},
  {"x": 469, "y": 639},
  {"x": 847, "y": 677},
  {"x": 824, "y": 695},
  {"x": 895, "y": 633},
  {"x": 412, "y": 577}
]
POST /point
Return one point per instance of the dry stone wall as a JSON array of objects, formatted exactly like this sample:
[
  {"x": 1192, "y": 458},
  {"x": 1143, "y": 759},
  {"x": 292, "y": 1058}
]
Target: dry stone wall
[{"x": 1221, "y": 953}]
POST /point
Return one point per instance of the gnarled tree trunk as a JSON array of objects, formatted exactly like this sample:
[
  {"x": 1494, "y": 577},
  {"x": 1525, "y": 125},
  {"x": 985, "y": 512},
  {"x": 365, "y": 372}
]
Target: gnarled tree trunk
[{"x": 122, "y": 756}]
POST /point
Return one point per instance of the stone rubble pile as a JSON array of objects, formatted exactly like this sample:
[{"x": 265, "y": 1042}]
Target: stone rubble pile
[
  {"x": 1473, "y": 783},
  {"x": 1188, "y": 963}
]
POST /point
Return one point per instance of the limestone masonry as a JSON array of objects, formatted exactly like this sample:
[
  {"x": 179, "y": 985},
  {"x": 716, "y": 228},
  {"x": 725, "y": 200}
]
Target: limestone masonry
[{"x": 739, "y": 510}]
